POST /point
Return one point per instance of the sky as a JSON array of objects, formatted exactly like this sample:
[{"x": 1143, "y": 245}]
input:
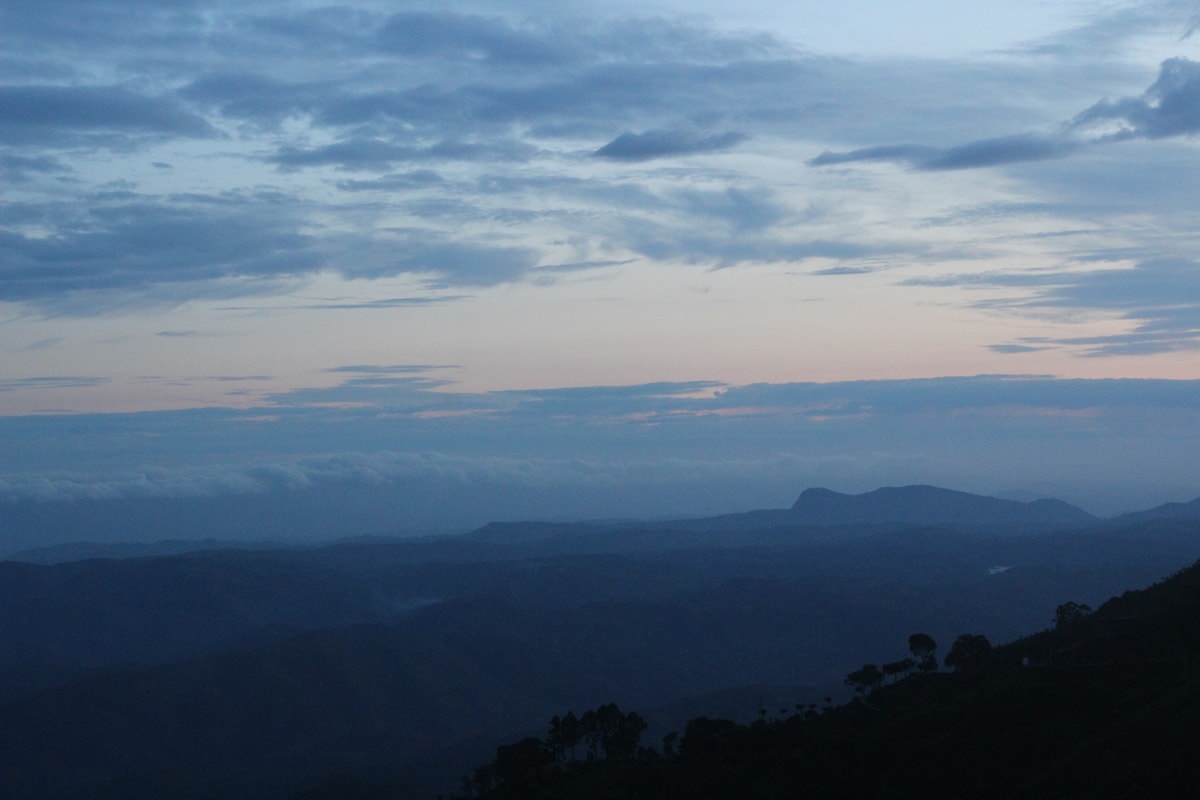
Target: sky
[{"x": 604, "y": 258}]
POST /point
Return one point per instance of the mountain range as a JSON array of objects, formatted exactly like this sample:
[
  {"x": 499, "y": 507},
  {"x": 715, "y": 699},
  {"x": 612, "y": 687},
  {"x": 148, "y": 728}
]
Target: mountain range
[
  {"x": 815, "y": 507},
  {"x": 930, "y": 505},
  {"x": 268, "y": 671}
]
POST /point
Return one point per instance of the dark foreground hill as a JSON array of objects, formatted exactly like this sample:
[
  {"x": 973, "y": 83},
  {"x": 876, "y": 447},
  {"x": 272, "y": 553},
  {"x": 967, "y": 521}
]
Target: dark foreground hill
[{"x": 1104, "y": 706}]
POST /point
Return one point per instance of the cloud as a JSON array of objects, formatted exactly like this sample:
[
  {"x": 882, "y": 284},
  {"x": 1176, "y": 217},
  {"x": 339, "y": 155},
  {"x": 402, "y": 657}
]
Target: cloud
[
  {"x": 376, "y": 154},
  {"x": 476, "y": 484},
  {"x": 742, "y": 223},
  {"x": 19, "y": 169},
  {"x": 740, "y": 209},
  {"x": 131, "y": 247},
  {"x": 871, "y": 405},
  {"x": 618, "y": 401},
  {"x": 581, "y": 266},
  {"x": 128, "y": 250},
  {"x": 389, "y": 369},
  {"x": 381, "y": 303},
  {"x": 843, "y": 271},
  {"x": 258, "y": 98},
  {"x": 1138, "y": 343},
  {"x": 43, "y": 344},
  {"x": 1161, "y": 295},
  {"x": 51, "y": 382},
  {"x": 973, "y": 155},
  {"x": 1170, "y": 107},
  {"x": 468, "y": 37},
  {"x": 607, "y": 82},
  {"x": 446, "y": 94},
  {"x": 457, "y": 142},
  {"x": 715, "y": 245},
  {"x": 395, "y": 182},
  {"x": 447, "y": 263},
  {"x": 655, "y": 144},
  {"x": 1016, "y": 348},
  {"x": 93, "y": 115},
  {"x": 393, "y": 390},
  {"x": 652, "y": 449}
]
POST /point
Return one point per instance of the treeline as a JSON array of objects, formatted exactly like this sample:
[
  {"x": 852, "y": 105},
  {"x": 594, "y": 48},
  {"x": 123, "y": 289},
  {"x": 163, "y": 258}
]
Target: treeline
[
  {"x": 602, "y": 734},
  {"x": 1100, "y": 705}
]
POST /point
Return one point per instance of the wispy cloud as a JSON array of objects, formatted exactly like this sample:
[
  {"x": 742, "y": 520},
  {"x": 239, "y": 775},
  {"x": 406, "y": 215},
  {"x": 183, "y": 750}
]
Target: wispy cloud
[
  {"x": 973, "y": 155},
  {"x": 389, "y": 369},
  {"x": 380, "y": 303},
  {"x": 43, "y": 344},
  {"x": 667, "y": 143},
  {"x": 1161, "y": 296},
  {"x": 50, "y": 382},
  {"x": 377, "y": 154},
  {"x": 1169, "y": 108}
]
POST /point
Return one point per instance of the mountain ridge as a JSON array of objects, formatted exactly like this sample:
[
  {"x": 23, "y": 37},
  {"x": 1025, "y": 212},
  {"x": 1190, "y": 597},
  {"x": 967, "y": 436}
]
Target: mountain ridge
[
  {"x": 816, "y": 507},
  {"x": 1166, "y": 511},
  {"x": 921, "y": 504}
]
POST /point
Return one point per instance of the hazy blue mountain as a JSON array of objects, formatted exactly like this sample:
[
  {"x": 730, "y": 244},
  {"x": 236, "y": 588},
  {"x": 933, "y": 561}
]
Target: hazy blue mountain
[
  {"x": 930, "y": 505},
  {"x": 163, "y": 526},
  {"x": 59, "y": 621},
  {"x": 1167, "y": 511},
  {"x": 81, "y": 551},
  {"x": 820, "y": 510},
  {"x": 320, "y": 514}
]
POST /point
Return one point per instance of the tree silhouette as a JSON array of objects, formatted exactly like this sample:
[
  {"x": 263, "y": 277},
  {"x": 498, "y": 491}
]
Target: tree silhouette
[
  {"x": 517, "y": 762},
  {"x": 609, "y": 732},
  {"x": 865, "y": 679},
  {"x": 706, "y": 739},
  {"x": 624, "y": 737},
  {"x": 968, "y": 653},
  {"x": 924, "y": 650},
  {"x": 564, "y": 736},
  {"x": 1070, "y": 611},
  {"x": 895, "y": 669}
]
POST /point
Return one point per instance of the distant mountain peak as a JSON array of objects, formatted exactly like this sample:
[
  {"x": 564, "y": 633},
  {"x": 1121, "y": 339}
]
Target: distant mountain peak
[
  {"x": 1166, "y": 511},
  {"x": 929, "y": 505}
]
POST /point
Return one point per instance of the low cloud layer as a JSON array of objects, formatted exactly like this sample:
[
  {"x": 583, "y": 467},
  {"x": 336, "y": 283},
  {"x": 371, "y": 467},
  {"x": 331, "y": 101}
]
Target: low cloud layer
[{"x": 579, "y": 449}]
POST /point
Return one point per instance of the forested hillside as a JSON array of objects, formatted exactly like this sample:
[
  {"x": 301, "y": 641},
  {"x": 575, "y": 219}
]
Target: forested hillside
[{"x": 1102, "y": 706}]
